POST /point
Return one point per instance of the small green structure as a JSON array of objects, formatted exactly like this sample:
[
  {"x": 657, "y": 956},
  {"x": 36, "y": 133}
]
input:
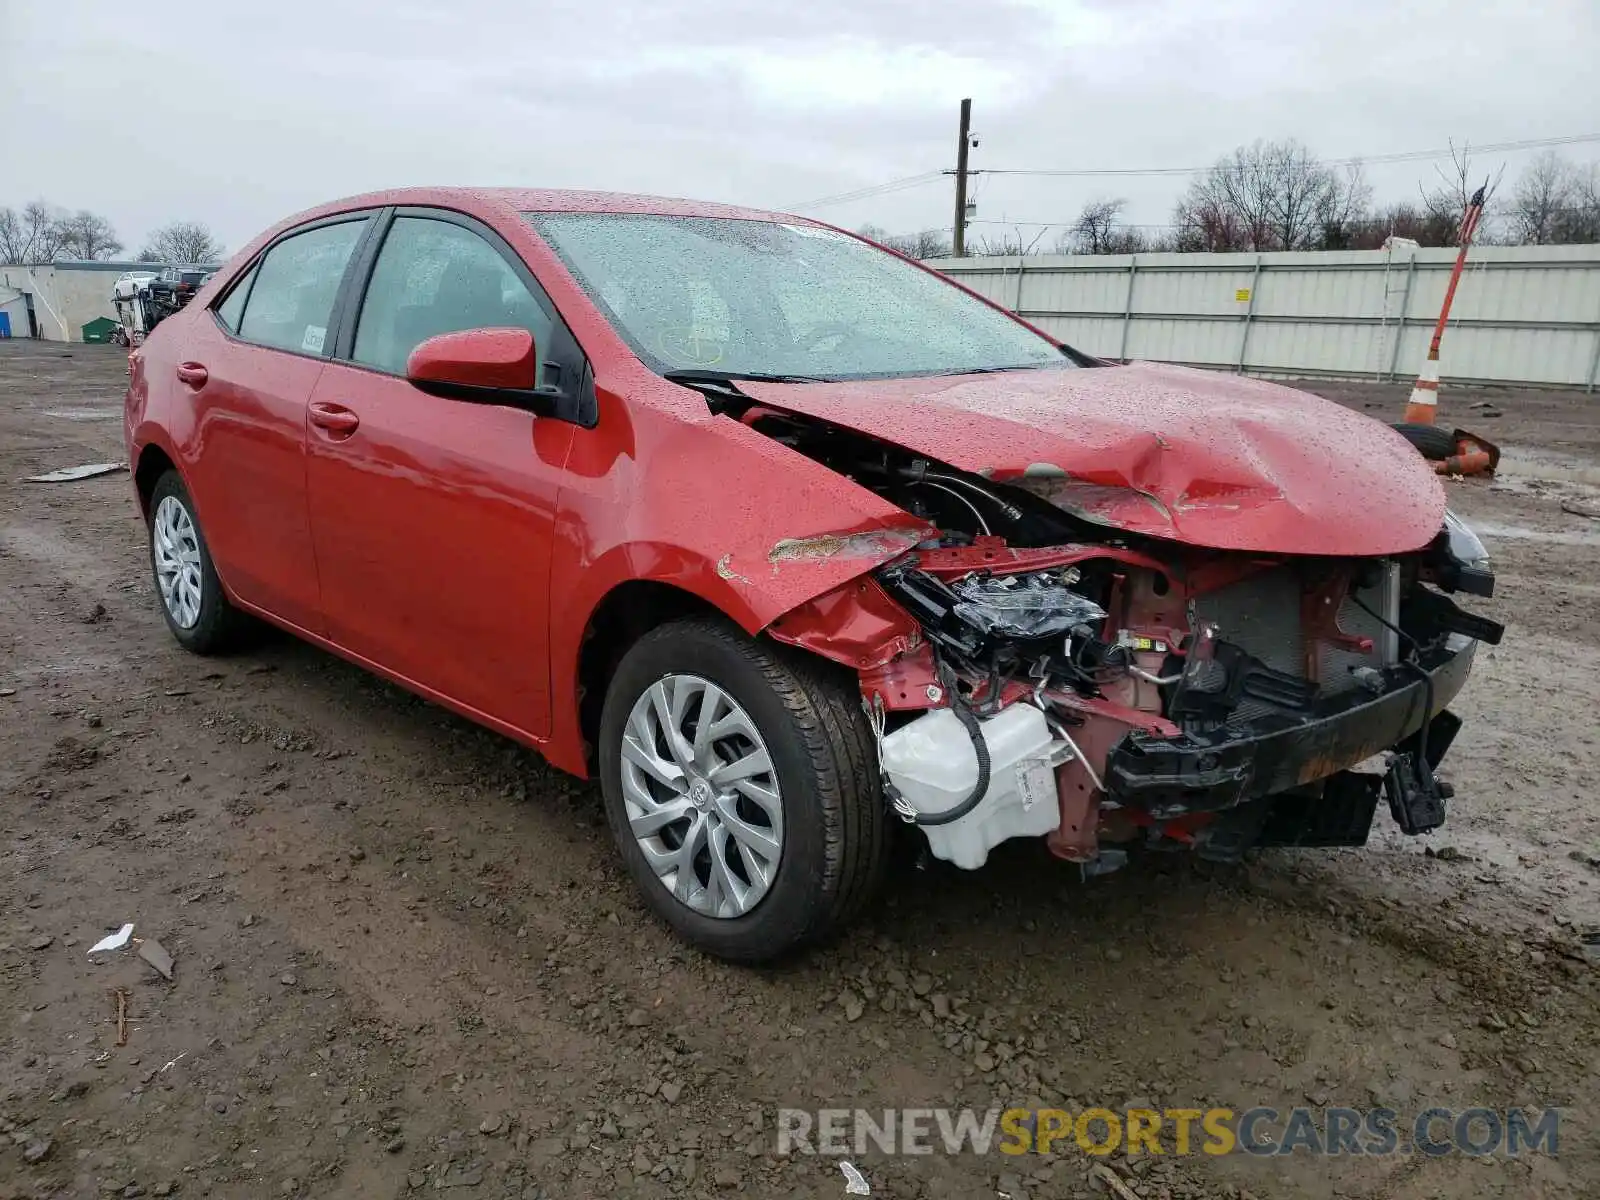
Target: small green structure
[{"x": 99, "y": 330}]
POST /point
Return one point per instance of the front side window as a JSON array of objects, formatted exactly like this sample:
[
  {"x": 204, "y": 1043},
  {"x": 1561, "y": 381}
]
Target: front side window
[
  {"x": 435, "y": 277},
  {"x": 291, "y": 304},
  {"x": 750, "y": 297}
]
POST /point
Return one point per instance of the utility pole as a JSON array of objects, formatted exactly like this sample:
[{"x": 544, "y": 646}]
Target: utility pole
[{"x": 959, "y": 241}]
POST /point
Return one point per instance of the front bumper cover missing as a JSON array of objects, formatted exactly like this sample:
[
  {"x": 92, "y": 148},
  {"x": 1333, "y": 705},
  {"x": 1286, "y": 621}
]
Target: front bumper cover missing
[{"x": 1170, "y": 777}]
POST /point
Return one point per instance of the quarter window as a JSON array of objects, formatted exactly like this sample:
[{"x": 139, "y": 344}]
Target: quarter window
[
  {"x": 231, "y": 309},
  {"x": 291, "y": 305},
  {"x": 435, "y": 277}
]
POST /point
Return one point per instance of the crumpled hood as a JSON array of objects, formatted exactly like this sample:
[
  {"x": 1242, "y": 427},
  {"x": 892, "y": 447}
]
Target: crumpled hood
[{"x": 1173, "y": 452}]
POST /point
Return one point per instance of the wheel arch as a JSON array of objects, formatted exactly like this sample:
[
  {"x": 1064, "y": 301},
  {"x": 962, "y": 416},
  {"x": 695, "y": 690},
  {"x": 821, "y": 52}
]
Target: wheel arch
[
  {"x": 624, "y": 614},
  {"x": 153, "y": 463}
]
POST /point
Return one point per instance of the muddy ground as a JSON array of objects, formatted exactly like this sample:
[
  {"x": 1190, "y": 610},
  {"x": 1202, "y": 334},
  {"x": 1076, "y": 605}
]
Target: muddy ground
[{"x": 407, "y": 960}]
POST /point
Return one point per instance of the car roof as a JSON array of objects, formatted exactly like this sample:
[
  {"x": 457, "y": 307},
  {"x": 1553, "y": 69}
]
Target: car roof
[{"x": 524, "y": 200}]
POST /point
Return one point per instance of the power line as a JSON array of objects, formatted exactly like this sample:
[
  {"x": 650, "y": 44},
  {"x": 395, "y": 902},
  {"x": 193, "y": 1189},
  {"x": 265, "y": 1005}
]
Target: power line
[
  {"x": 1400, "y": 156},
  {"x": 879, "y": 189}
]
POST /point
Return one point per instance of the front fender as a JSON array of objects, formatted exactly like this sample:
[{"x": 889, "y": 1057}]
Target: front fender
[{"x": 712, "y": 508}]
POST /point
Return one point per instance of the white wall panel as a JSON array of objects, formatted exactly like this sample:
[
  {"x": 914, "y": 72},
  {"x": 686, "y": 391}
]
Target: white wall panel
[{"x": 1522, "y": 314}]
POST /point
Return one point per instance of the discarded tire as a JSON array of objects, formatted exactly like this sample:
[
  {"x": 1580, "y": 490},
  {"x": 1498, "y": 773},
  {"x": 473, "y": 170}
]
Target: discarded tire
[{"x": 1434, "y": 444}]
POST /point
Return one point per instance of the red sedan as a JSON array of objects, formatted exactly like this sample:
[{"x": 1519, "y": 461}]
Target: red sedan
[{"x": 794, "y": 542}]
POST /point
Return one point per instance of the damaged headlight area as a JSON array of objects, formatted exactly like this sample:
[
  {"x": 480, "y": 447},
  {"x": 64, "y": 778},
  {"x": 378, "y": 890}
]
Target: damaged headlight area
[
  {"x": 1024, "y": 607},
  {"x": 1461, "y": 562}
]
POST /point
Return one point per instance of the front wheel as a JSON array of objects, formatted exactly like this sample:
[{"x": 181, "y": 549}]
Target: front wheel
[{"x": 741, "y": 790}]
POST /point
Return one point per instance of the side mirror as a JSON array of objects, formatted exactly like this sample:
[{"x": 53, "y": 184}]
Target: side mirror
[{"x": 493, "y": 366}]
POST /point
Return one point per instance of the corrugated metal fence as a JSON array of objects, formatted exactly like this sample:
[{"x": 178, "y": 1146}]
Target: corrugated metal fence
[{"x": 1523, "y": 314}]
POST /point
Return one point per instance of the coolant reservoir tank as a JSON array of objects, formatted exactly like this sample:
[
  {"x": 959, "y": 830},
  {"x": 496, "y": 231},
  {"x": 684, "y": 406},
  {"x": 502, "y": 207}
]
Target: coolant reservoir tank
[{"x": 931, "y": 761}]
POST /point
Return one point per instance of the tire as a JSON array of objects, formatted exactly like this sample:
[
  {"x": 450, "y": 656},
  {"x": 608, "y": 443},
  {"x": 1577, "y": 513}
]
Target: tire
[
  {"x": 834, "y": 826},
  {"x": 1435, "y": 444},
  {"x": 214, "y": 625}
]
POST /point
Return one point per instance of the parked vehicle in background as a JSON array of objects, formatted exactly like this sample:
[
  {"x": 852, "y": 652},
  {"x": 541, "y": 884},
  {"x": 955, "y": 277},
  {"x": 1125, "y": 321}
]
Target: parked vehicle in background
[
  {"x": 143, "y": 299},
  {"x": 188, "y": 276},
  {"x": 130, "y": 282},
  {"x": 792, "y": 542}
]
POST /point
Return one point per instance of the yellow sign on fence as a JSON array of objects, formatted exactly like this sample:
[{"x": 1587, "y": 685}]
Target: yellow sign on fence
[{"x": 1242, "y": 295}]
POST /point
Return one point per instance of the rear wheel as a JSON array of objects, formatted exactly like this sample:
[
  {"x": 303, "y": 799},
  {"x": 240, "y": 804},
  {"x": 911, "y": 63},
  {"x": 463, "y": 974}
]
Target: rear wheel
[
  {"x": 197, "y": 610},
  {"x": 740, "y": 787}
]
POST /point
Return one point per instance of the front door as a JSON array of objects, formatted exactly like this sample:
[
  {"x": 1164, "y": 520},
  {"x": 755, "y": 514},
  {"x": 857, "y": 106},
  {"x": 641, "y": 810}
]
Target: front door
[{"x": 433, "y": 518}]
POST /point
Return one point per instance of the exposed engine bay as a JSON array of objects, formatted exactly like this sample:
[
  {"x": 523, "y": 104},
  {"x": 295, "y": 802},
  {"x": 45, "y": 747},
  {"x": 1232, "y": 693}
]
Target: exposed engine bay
[{"x": 1030, "y": 671}]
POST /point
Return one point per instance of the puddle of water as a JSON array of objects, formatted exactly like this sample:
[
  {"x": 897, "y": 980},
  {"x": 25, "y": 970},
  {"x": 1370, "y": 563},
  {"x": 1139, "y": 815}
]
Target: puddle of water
[
  {"x": 1518, "y": 533},
  {"x": 1548, "y": 465}
]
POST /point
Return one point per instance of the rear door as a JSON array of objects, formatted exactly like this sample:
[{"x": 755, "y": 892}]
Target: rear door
[
  {"x": 432, "y": 518},
  {"x": 248, "y": 370}
]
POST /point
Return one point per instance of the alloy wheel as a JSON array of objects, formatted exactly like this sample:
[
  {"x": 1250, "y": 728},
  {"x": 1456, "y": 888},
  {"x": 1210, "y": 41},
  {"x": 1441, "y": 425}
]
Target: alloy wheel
[
  {"x": 176, "y": 546},
  {"x": 702, "y": 795}
]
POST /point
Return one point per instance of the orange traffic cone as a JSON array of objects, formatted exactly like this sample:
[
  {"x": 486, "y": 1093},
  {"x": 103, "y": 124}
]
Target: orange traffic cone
[{"x": 1424, "y": 402}]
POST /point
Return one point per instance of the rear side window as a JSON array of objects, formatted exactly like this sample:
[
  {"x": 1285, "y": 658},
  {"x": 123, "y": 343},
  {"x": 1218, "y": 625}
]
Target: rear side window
[
  {"x": 434, "y": 277},
  {"x": 291, "y": 304},
  {"x": 231, "y": 309}
]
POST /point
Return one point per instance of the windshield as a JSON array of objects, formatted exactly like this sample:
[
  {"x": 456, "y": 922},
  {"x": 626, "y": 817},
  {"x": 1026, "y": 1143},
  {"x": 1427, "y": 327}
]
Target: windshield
[{"x": 729, "y": 297}]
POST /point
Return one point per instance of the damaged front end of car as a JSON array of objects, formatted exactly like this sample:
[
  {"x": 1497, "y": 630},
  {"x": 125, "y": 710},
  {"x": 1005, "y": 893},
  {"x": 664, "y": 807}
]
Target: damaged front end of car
[{"x": 1030, "y": 669}]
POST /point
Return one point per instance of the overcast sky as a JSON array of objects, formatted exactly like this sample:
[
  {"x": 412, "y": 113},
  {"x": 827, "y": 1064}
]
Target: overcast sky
[{"x": 240, "y": 114}]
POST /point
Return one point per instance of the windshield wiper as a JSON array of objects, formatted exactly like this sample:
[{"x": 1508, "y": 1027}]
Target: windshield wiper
[
  {"x": 997, "y": 370},
  {"x": 702, "y": 376}
]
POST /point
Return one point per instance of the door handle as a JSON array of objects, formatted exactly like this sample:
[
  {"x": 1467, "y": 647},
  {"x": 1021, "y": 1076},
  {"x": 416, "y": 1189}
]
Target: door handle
[
  {"x": 193, "y": 373},
  {"x": 335, "y": 418}
]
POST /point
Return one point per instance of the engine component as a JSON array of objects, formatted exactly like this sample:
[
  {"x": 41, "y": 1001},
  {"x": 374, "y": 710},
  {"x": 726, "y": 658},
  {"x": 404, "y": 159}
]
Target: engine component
[
  {"x": 933, "y": 766},
  {"x": 1024, "y": 606}
]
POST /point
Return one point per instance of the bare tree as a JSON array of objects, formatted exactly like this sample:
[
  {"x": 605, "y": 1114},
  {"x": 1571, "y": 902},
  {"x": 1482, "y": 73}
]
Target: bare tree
[
  {"x": 1445, "y": 204},
  {"x": 1095, "y": 225},
  {"x": 1544, "y": 196},
  {"x": 1581, "y": 222},
  {"x": 1294, "y": 190},
  {"x": 1204, "y": 223},
  {"x": 182, "y": 242},
  {"x": 1344, "y": 209},
  {"x": 42, "y": 233},
  {"x": 925, "y": 243},
  {"x": 31, "y": 236},
  {"x": 1010, "y": 245},
  {"x": 1401, "y": 219},
  {"x": 1271, "y": 196},
  {"x": 1229, "y": 207},
  {"x": 12, "y": 239},
  {"x": 1099, "y": 230},
  {"x": 928, "y": 243},
  {"x": 88, "y": 235}
]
